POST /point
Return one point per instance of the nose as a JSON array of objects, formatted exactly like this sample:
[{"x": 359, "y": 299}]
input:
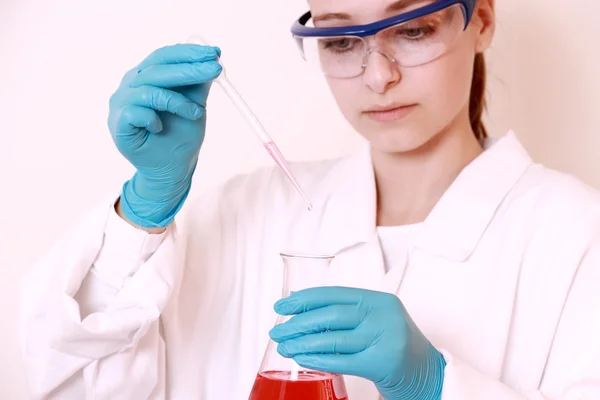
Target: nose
[{"x": 380, "y": 71}]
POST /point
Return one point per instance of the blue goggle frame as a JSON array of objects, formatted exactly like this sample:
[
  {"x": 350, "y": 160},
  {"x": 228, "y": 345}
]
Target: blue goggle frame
[{"x": 300, "y": 30}]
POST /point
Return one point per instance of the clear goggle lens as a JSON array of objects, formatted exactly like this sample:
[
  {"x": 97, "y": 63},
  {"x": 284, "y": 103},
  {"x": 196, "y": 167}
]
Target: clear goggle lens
[{"x": 409, "y": 44}]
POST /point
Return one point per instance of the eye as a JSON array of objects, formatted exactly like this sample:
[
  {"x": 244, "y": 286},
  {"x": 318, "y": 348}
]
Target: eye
[
  {"x": 341, "y": 44},
  {"x": 415, "y": 33}
]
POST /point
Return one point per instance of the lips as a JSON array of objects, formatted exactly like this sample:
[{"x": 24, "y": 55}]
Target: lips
[
  {"x": 386, "y": 107},
  {"x": 389, "y": 113}
]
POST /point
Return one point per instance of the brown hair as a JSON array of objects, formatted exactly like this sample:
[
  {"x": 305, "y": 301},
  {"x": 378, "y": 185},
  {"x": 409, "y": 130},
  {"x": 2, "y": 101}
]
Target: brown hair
[{"x": 477, "y": 103}]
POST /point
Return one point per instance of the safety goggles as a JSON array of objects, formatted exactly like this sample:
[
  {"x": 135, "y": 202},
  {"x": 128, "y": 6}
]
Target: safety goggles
[{"x": 426, "y": 30}]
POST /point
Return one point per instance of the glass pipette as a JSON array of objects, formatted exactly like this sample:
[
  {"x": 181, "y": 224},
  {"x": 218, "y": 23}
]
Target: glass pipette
[{"x": 254, "y": 123}]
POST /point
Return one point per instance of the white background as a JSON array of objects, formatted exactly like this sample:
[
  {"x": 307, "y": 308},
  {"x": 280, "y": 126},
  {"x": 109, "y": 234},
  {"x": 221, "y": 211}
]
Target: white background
[{"x": 61, "y": 60}]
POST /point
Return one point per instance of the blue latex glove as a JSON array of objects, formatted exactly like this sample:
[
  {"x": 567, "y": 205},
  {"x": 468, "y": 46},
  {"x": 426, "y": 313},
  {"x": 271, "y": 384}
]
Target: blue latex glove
[
  {"x": 157, "y": 120},
  {"x": 363, "y": 333}
]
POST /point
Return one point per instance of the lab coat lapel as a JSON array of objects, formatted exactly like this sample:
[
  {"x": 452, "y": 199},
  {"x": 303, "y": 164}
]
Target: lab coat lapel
[
  {"x": 350, "y": 204},
  {"x": 459, "y": 219},
  {"x": 454, "y": 229}
]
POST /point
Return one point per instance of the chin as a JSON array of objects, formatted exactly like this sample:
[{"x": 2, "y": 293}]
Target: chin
[{"x": 395, "y": 137}]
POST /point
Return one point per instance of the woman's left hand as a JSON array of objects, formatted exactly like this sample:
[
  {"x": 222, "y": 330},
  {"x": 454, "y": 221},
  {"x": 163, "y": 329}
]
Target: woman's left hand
[{"x": 363, "y": 333}]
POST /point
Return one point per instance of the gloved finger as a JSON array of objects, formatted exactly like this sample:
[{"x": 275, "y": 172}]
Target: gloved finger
[
  {"x": 313, "y": 298},
  {"x": 343, "y": 342},
  {"x": 343, "y": 364},
  {"x": 177, "y": 75},
  {"x": 180, "y": 53},
  {"x": 197, "y": 93},
  {"x": 333, "y": 318},
  {"x": 160, "y": 99},
  {"x": 131, "y": 118}
]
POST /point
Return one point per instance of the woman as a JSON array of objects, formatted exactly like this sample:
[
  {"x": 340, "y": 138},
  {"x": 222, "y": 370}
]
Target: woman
[{"x": 464, "y": 270}]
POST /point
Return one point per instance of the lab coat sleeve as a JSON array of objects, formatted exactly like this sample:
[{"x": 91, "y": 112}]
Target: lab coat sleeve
[
  {"x": 91, "y": 307},
  {"x": 572, "y": 371},
  {"x": 461, "y": 382}
]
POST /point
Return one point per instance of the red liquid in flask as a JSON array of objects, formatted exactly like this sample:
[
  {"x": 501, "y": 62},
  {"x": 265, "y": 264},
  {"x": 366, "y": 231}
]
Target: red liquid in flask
[{"x": 310, "y": 385}]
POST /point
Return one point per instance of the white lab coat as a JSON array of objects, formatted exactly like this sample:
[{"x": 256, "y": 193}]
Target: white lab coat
[{"x": 503, "y": 278}]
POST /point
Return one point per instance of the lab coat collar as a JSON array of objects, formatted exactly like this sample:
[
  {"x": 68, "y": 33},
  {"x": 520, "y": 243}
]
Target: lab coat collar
[{"x": 347, "y": 208}]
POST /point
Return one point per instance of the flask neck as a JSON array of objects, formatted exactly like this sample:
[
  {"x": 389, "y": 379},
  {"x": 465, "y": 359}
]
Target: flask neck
[{"x": 303, "y": 272}]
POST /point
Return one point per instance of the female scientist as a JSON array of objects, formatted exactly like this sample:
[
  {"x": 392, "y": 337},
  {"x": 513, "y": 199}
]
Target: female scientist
[{"x": 465, "y": 270}]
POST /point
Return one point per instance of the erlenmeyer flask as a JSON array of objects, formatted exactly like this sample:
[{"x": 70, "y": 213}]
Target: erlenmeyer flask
[{"x": 281, "y": 378}]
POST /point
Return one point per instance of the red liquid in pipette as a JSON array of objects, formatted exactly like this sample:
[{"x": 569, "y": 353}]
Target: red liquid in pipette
[
  {"x": 275, "y": 153},
  {"x": 276, "y": 385}
]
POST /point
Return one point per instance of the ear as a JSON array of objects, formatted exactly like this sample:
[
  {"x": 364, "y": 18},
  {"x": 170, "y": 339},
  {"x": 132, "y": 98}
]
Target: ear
[{"x": 484, "y": 19}]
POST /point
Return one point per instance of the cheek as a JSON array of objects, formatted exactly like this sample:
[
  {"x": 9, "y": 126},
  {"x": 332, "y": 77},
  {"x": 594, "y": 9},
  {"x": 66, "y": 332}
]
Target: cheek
[
  {"x": 346, "y": 92},
  {"x": 447, "y": 85}
]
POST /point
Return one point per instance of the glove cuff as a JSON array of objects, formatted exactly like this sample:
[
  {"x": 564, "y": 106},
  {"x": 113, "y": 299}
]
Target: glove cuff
[
  {"x": 152, "y": 213},
  {"x": 424, "y": 383}
]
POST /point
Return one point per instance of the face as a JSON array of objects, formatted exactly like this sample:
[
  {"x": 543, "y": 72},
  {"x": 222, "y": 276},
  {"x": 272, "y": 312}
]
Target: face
[{"x": 425, "y": 100}]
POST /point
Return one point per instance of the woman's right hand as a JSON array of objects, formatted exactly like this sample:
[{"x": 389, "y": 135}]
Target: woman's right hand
[{"x": 157, "y": 120}]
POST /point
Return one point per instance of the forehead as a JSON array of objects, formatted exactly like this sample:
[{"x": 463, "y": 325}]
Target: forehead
[{"x": 363, "y": 11}]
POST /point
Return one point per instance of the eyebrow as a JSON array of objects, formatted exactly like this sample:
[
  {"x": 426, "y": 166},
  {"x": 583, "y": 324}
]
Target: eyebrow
[{"x": 398, "y": 5}]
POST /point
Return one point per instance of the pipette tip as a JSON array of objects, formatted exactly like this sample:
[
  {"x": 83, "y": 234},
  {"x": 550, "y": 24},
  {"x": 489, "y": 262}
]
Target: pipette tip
[
  {"x": 308, "y": 204},
  {"x": 275, "y": 153}
]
